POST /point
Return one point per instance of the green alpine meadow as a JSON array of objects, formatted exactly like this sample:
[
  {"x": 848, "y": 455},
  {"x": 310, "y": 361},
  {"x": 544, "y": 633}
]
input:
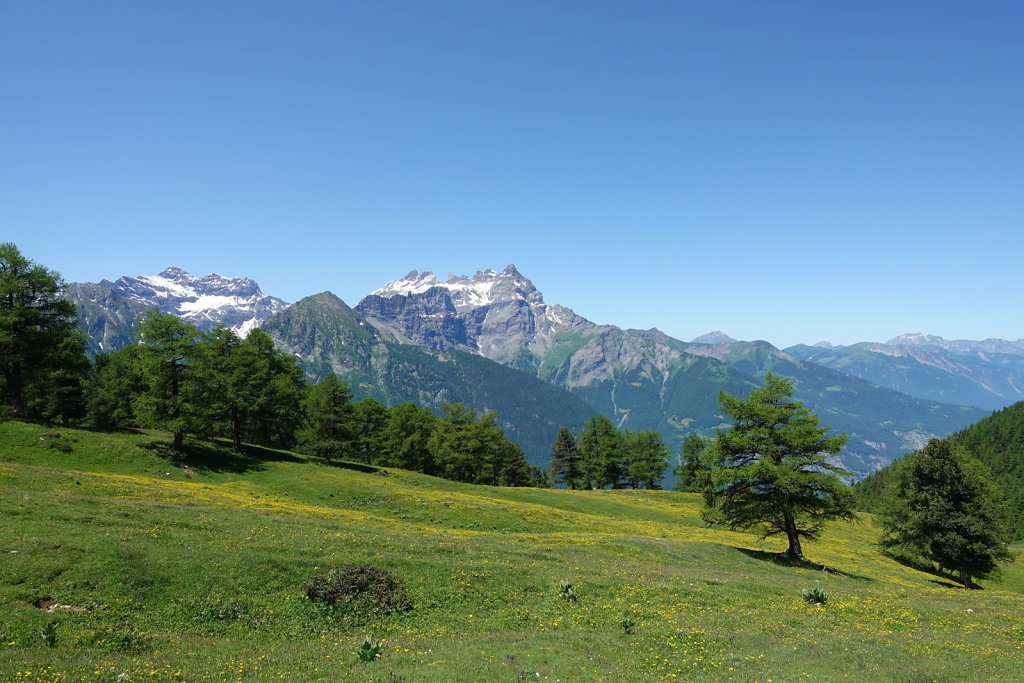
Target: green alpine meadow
[{"x": 124, "y": 562}]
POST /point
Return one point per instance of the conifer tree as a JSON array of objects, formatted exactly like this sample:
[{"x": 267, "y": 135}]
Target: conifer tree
[
  {"x": 330, "y": 430},
  {"x": 604, "y": 456},
  {"x": 688, "y": 471},
  {"x": 116, "y": 383},
  {"x": 370, "y": 420},
  {"x": 946, "y": 509},
  {"x": 170, "y": 398},
  {"x": 566, "y": 459},
  {"x": 405, "y": 440},
  {"x": 40, "y": 350},
  {"x": 274, "y": 390},
  {"x": 771, "y": 470},
  {"x": 646, "y": 459}
]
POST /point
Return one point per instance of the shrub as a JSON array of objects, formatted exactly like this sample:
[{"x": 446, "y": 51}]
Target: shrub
[
  {"x": 566, "y": 591},
  {"x": 815, "y": 596},
  {"x": 360, "y": 588}
]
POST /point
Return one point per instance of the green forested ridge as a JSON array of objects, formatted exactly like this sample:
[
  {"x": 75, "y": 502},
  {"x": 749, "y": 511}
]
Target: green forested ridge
[
  {"x": 997, "y": 441},
  {"x": 325, "y": 335},
  {"x": 880, "y": 423},
  {"x": 164, "y": 573}
]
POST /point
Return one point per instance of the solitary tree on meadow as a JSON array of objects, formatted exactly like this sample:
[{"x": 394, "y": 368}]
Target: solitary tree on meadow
[{"x": 771, "y": 470}]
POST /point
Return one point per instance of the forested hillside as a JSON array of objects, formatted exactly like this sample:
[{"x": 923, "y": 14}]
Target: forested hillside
[{"x": 997, "y": 441}]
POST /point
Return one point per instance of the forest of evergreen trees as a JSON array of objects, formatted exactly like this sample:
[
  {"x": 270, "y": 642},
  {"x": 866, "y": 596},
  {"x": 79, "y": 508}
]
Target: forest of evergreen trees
[{"x": 197, "y": 384}]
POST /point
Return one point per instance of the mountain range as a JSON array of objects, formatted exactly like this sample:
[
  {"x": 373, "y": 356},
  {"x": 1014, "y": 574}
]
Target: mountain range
[
  {"x": 492, "y": 342},
  {"x": 987, "y": 374}
]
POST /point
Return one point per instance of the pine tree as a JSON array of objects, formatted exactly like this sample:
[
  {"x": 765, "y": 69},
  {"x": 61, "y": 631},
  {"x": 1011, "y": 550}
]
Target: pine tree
[
  {"x": 116, "y": 384},
  {"x": 171, "y": 384},
  {"x": 274, "y": 388},
  {"x": 604, "y": 456},
  {"x": 646, "y": 459},
  {"x": 405, "y": 440},
  {"x": 771, "y": 469},
  {"x": 566, "y": 459},
  {"x": 40, "y": 350},
  {"x": 691, "y": 466},
  {"x": 370, "y": 419},
  {"x": 946, "y": 509},
  {"x": 330, "y": 431}
]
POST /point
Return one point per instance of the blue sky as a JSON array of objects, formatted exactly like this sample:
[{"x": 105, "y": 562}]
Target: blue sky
[{"x": 789, "y": 171}]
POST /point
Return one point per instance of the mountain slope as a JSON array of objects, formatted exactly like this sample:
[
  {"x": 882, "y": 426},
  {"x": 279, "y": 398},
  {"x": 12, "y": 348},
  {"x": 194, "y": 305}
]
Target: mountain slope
[
  {"x": 987, "y": 375},
  {"x": 108, "y": 310},
  {"x": 328, "y": 336},
  {"x": 882, "y": 424},
  {"x": 644, "y": 379},
  {"x": 997, "y": 441}
]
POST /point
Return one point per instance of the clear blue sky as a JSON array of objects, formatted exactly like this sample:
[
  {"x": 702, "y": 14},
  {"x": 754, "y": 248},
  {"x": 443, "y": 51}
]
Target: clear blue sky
[{"x": 789, "y": 171}]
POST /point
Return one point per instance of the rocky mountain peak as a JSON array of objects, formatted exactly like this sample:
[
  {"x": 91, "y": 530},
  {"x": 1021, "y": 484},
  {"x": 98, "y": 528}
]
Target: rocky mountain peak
[
  {"x": 716, "y": 337},
  {"x": 915, "y": 338},
  {"x": 485, "y": 287},
  {"x": 108, "y": 310}
]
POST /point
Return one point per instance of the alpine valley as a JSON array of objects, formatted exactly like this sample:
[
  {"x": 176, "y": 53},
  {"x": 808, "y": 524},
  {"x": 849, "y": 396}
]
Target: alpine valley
[{"x": 491, "y": 342}]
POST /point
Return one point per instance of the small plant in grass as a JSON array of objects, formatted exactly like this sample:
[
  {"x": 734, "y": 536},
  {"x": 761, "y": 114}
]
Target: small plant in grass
[
  {"x": 815, "y": 596},
  {"x": 567, "y": 592},
  {"x": 628, "y": 624},
  {"x": 361, "y": 588},
  {"x": 370, "y": 649},
  {"x": 49, "y": 633}
]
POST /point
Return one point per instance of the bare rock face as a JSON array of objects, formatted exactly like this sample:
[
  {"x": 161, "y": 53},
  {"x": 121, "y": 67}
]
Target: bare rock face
[{"x": 496, "y": 315}]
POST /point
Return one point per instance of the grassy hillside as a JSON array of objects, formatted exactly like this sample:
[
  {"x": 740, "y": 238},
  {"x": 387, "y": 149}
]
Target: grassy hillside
[{"x": 189, "y": 573}]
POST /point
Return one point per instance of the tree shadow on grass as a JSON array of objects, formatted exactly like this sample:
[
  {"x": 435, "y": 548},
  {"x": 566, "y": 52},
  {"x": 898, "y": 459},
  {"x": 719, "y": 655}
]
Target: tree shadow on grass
[
  {"x": 218, "y": 457},
  {"x": 355, "y": 466},
  {"x": 782, "y": 560},
  {"x": 942, "y": 577}
]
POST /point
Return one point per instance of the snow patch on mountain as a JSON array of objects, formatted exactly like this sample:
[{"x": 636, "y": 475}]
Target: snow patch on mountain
[
  {"x": 485, "y": 288},
  {"x": 208, "y": 301}
]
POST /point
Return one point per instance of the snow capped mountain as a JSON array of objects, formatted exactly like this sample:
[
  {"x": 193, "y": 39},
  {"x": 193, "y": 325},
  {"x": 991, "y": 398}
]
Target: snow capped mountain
[
  {"x": 205, "y": 301},
  {"x": 496, "y": 315},
  {"x": 108, "y": 310},
  {"x": 485, "y": 288}
]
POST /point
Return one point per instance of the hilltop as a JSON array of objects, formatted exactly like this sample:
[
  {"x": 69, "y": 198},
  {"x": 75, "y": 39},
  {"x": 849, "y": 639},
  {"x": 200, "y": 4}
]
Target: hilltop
[{"x": 194, "y": 571}]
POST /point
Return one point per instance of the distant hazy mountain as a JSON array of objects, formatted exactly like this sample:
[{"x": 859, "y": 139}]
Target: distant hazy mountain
[
  {"x": 644, "y": 379},
  {"x": 988, "y": 374},
  {"x": 328, "y": 336},
  {"x": 882, "y": 424},
  {"x": 108, "y": 310}
]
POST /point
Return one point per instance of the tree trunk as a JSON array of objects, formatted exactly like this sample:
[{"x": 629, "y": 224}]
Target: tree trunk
[
  {"x": 179, "y": 440},
  {"x": 236, "y": 430},
  {"x": 965, "y": 579},
  {"x": 794, "y": 551}
]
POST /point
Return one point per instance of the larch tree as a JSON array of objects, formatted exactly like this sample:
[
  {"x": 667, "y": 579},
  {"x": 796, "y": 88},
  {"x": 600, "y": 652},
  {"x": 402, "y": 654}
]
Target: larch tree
[
  {"x": 42, "y": 356},
  {"x": 771, "y": 470},
  {"x": 691, "y": 464},
  {"x": 603, "y": 452},
  {"x": 171, "y": 398},
  {"x": 946, "y": 509},
  {"x": 566, "y": 459}
]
